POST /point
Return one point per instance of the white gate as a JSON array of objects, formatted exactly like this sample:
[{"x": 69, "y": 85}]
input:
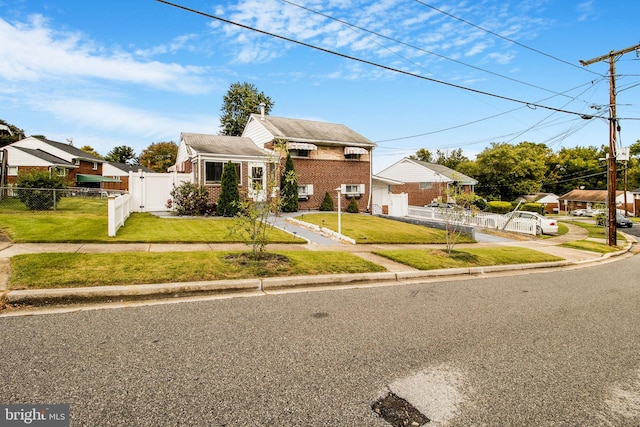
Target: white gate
[
  {"x": 152, "y": 191},
  {"x": 399, "y": 205}
]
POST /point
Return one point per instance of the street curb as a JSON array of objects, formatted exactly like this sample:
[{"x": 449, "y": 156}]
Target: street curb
[{"x": 40, "y": 297}]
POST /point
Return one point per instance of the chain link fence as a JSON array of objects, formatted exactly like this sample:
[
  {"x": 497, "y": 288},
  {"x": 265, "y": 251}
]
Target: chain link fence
[{"x": 15, "y": 199}]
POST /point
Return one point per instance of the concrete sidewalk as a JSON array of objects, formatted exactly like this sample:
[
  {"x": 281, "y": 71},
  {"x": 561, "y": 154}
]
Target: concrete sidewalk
[{"x": 395, "y": 271}]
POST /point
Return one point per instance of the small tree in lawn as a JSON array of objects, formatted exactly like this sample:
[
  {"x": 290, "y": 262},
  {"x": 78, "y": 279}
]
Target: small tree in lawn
[
  {"x": 289, "y": 187},
  {"x": 255, "y": 219},
  {"x": 327, "y": 203},
  {"x": 229, "y": 199},
  {"x": 456, "y": 217}
]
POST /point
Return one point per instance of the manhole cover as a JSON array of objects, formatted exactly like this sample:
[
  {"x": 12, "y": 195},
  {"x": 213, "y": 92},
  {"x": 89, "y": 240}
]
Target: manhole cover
[{"x": 398, "y": 412}]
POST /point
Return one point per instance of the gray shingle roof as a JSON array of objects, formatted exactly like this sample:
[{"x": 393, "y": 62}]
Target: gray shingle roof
[
  {"x": 448, "y": 172},
  {"x": 221, "y": 144},
  {"x": 74, "y": 151},
  {"x": 312, "y": 131},
  {"x": 49, "y": 158}
]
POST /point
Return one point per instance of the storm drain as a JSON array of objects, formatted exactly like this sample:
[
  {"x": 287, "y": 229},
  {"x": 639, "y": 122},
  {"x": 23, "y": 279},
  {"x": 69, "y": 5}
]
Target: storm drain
[{"x": 398, "y": 412}]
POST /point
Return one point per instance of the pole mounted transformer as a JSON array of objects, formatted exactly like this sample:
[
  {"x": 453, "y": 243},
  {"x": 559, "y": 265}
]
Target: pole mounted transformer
[{"x": 611, "y": 57}]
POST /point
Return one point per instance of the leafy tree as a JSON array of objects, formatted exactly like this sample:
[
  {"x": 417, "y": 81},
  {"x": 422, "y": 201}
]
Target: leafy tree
[
  {"x": 423, "y": 155},
  {"x": 352, "y": 207},
  {"x": 506, "y": 171},
  {"x": 633, "y": 171},
  {"x": 241, "y": 100},
  {"x": 574, "y": 167},
  {"x": 38, "y": 190},
  {"x": 289, "y": 187},
  {"x": 451, "y": 159},
  {"x": 229, "y": 199},
  {"x": 122, "y": 154},
  {"x": 89, "y": 150},
  {"x": 159, "y": 156},
  {"x": 9, "y": 133},
  {"x": 327, "y": 203}
]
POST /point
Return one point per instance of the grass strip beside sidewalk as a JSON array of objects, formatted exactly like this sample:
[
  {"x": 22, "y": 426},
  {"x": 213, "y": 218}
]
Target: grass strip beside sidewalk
[
  {"x": 432, "y": 259},
  {"x": 65, "y": 270}
]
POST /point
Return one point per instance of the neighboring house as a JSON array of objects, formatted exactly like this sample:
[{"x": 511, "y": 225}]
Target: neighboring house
[
  {"x": 587, "y": 199},
  {"x": 119, "y": 173},
  {"x": 79, "y": 168},
  {"x": 326, "y": 157},
  {"x": 425, "y": 182},
  {"x": 549, "y": 201},
  {"x": 205, "y": 155},
  {"x": 385, "y": 202}
]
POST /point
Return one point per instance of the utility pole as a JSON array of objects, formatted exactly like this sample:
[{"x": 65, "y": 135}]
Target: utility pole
[{"x": 611, "y": 164}]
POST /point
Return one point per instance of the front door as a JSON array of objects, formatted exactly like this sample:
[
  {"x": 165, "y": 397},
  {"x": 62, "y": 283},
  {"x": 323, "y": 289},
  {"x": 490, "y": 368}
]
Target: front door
[{"x": 257, "y": 182}]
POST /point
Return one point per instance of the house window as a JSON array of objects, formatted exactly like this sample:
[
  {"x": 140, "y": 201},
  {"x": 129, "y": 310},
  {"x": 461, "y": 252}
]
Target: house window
[
  {"x": 59, "y": 172},
  {"x": 213, "y": 172},
  {"x": 95, "y": 166},
  {"x": 425, "y": 185},
  {"x": 299, "y": 153},
  {"x": 77, "y": 162},
  {"x": 352, "y": 190},
  {"x": 12, "y": 171},
  {"x": 352, "y": 156},
  {"x": 304, "y": 191},
  {"x": 257, "y": 172}
]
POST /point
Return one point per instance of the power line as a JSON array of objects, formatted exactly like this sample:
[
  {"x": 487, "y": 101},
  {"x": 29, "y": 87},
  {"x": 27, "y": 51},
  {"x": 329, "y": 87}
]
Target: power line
[
  {"x": 417, "y": 48},
  {"x": 364, "y": 61},
  {"x": 503, "y": 37}
]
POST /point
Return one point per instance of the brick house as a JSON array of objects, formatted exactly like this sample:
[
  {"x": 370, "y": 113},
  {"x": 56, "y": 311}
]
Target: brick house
[
  {"x": 80, "y": 169},
  {"x": 424, "y": 182},
  {"x": 588, "y": 199},
  {"x": 205, "y": 155},
  {"x": 326, "y": 156}
]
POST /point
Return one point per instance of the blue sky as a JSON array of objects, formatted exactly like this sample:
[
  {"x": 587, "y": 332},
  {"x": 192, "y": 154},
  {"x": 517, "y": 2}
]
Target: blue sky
[{"x": 121, "y": 72}]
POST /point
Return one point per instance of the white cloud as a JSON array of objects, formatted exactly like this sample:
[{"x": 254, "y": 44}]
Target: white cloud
[{"x": 33, "y": 51}]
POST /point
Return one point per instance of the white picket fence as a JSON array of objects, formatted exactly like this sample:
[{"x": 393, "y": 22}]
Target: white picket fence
[
  {"x": 119, "y": 208},
  {"x": 481, "y": 219},
  {"x": 148, "y": 192}
]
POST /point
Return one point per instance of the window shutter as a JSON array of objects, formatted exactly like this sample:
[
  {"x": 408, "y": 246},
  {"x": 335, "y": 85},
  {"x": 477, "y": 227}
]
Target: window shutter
[
  {"x": 310, "y": 189},
  {"x": 361, "y": 188},
  {"x": 343, "y": 188}
]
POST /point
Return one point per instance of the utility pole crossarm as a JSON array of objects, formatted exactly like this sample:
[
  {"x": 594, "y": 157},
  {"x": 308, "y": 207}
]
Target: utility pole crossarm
[
  {"x": 611, "y": 157},
  {"x": 609, "y": 55}
]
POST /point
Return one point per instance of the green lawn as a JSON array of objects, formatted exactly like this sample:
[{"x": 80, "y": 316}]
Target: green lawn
[
  {"x": 62, "y": 270},
  {"x": 85, "y": 220},
  {"x": 371, "y": 229},
  {"x": 470, "y": 257}
]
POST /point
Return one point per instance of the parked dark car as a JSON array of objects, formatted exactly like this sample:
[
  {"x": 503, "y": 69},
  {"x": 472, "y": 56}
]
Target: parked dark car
[{"x": 622, "y": 221}]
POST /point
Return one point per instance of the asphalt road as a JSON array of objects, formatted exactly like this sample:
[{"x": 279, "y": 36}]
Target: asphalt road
[{"x": 545, "y": 349}]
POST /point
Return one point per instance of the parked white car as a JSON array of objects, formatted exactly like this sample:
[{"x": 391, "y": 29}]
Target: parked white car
[{"x": 545, "y": 225}]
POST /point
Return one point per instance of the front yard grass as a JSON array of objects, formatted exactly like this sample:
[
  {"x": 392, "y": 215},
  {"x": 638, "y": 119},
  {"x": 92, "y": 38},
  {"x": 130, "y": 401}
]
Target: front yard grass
[
  {"x": 63, "y": 270},
  {"x": 424, "y": 259},
  {"x": 595, "y": 232},
  {"x": 375, "y": 230},
  {"x": 82, "y": 220}
]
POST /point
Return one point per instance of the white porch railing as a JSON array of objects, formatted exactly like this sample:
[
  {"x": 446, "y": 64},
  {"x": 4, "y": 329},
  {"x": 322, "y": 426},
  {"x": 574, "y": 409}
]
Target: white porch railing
[
  {"x": 482, "y": 219},
  {"x": 119, "y": 209}
]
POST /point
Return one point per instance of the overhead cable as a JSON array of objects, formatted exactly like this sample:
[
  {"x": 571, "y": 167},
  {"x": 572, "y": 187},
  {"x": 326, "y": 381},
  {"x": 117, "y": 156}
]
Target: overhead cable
[{"x": 364, "y": 61}]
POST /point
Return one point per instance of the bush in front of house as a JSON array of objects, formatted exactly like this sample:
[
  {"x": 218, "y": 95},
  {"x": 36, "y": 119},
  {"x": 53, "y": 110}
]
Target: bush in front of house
[
  {"x": 352, "y": 207},
  {"x": 190, "y": 199},
  {"x": 532, "y": 207},
  {"x": 229, "y": 200},
  {"x": 327, "y": 203},
  {"x": 289, "y": 187},
  {"x": 40, "y": 191},
  {"x": 499, "y": 207}
]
